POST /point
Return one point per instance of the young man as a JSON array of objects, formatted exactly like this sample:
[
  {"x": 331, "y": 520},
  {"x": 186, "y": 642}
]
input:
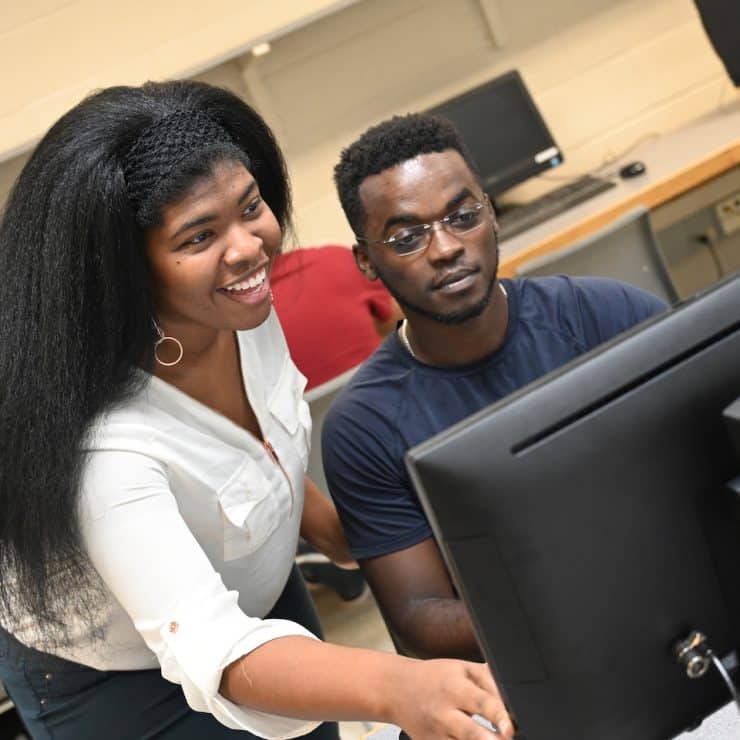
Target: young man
[{"x": 426, "y": 229}]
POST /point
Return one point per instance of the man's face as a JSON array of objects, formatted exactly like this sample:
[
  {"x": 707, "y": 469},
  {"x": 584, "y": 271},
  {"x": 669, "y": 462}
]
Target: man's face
[{"x": 453, "y": 278}]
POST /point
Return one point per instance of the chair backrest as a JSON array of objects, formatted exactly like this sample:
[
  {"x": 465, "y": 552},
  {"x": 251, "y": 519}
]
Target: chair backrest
[
  {"x": 319, "y": 400},
  {"x": 626, "y": 250}
]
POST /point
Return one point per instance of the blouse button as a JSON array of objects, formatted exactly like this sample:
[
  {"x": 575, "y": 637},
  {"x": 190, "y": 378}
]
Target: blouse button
[
  {"x": 48, "y": 676},
  {"x": 42, "y": 702}
]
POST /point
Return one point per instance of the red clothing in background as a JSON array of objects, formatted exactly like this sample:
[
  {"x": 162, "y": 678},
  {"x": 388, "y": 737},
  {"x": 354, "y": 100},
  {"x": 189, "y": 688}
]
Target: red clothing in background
[{"x": 326, "y": 307}]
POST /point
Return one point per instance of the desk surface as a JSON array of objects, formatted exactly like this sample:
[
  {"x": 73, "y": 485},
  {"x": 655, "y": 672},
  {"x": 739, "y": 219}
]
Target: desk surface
[{"x": 676, "y": 162}]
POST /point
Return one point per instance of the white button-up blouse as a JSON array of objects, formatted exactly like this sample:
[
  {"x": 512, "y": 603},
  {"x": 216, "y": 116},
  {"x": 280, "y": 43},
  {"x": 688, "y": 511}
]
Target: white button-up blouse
[{"x": 192, "y": 525}]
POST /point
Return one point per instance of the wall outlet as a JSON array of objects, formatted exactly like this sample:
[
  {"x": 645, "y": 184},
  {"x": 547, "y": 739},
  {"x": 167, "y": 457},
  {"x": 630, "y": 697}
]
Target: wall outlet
[{"x": 728, "y": 213}]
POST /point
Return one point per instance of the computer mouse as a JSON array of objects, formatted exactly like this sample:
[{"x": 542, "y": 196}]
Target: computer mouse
[{"x": 633, "y": 169}]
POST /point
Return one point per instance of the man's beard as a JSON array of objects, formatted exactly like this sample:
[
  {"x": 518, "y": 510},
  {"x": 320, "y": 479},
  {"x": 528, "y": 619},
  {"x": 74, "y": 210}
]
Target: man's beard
[{"x": 451, "y": 318}]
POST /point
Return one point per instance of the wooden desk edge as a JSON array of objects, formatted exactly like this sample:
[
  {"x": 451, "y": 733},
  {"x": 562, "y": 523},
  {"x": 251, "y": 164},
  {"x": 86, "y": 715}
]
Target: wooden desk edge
[{"x": 652, "y": 196}]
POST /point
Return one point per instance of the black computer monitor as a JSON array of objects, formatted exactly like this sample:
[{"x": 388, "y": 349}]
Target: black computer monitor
[
  {"x": 504, "y": 132},
  {"x": 588, "y": 525}
]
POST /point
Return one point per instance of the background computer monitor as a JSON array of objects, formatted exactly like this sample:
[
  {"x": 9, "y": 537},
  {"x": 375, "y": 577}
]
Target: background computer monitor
[
  {"x": 588, "y": 525},
  {"x": 504, "y": 132}
]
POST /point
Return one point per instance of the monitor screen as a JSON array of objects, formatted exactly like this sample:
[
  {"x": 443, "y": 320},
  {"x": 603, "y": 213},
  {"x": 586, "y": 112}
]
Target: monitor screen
[
  {"x": 504, "y": 132},
  {"x": 588, "y": 524}
]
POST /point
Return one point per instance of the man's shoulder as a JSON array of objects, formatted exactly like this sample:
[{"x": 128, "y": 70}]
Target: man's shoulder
[
  {"x": 590, "y": 310},
  {"x": 379, "y": 377},
  {"x": 374, "y": 394},
  {"x": 597, "y": 294},
  {"x": 567, "y": 287}
]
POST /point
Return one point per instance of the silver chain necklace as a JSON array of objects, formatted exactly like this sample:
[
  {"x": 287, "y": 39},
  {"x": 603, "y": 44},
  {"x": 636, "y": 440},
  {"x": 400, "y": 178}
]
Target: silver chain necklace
[
  {"x": 403, "y": 336},
  {"x": 404, "y": 339}
]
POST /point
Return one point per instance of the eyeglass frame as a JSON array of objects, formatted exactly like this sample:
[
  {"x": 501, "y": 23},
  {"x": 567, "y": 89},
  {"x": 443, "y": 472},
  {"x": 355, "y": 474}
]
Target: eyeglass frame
[{"x": 429, "y": 227}]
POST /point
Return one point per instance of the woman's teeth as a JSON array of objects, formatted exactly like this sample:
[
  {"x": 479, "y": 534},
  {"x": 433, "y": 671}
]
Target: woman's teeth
[{"x": 253, "y": 282}]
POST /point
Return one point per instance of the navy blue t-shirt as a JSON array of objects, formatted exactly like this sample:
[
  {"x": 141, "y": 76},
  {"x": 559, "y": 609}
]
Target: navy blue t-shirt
[{"x": 394, "y": 402}]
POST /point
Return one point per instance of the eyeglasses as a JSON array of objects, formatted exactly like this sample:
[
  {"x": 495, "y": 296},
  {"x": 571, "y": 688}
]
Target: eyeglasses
[{"x": 414, "y": 239}]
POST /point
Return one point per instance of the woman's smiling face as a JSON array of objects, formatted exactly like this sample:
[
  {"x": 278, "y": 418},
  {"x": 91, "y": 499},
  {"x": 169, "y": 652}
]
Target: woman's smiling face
[{"x": 210, "y": 257}]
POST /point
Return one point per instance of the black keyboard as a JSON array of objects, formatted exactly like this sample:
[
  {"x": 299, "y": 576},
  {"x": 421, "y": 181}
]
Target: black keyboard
[{"x": 521, "y": 218}]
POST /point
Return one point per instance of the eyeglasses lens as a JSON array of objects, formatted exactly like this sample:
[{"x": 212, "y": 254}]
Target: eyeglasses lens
[{"x": 416, "y": 238}]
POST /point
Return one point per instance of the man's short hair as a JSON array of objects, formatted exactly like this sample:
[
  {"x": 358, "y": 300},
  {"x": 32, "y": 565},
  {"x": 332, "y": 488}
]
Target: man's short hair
[{"x": 386, "y": 145}]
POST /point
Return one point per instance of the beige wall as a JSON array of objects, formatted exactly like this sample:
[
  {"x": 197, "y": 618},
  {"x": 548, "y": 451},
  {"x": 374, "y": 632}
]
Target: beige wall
[
  {"x": 604, "y": 73},
  {"x": 53, "y": 52}
]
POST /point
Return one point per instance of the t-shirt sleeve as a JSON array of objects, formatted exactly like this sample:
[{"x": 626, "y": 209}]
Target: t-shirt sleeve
[
  {"x": 609, "y": 307},
  {"x": 364, "y": 470},
  {"x": 149, "y": 559}
]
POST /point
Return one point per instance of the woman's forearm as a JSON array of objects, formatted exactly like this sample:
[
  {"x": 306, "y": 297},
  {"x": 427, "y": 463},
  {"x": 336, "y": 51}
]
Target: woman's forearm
[{"x": 307, "y": 679}]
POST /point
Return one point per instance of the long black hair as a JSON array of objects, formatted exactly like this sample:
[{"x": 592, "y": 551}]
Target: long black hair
[{"x": 76, "y": 319}]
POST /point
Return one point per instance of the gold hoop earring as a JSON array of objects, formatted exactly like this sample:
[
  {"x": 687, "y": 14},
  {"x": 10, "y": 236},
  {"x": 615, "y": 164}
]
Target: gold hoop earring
[{"x": 163, "y": 338}]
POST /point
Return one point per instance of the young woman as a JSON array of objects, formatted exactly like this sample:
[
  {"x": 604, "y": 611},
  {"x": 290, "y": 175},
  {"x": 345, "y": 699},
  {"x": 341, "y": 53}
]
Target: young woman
[{"x": 154, "y": 446}]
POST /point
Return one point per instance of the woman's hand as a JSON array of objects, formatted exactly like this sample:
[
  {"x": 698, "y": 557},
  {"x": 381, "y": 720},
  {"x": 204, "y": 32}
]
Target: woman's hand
[
  {"x": 439, "y": 698},
  {"x": 321, "y": 528}
]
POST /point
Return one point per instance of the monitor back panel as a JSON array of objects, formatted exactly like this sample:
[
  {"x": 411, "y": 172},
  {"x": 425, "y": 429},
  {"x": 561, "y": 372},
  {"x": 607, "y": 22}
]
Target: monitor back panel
[{"x": 587, "y": 525}]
